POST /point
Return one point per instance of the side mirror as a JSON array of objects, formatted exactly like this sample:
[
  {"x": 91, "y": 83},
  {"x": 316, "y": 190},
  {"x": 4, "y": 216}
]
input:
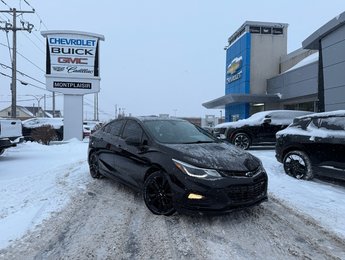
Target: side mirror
[
  {"x": 267, "y": 120},
  {"x": 135, "y": 141}
]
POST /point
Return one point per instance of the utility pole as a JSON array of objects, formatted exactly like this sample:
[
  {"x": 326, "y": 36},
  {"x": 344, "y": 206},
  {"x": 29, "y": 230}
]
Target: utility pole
[
  {"x": 95, "y": 108},
  {"x": 13, "y": 27}
]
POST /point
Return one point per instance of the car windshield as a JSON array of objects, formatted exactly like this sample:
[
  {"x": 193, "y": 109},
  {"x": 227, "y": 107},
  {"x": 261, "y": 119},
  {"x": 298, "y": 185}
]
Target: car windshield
[{"x": 177, "y": 132}]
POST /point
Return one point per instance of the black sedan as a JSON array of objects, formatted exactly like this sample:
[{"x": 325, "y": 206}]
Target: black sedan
[{"x": 176, "y": 165}]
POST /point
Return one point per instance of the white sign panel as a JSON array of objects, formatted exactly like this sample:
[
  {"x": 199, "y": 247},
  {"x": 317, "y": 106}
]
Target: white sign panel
[
  {"x": 72, "y": 65},
  {"x": 73, "y": 55}
]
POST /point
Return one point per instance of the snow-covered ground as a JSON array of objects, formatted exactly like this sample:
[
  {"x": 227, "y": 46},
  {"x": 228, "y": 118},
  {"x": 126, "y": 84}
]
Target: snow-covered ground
[{"x": 37, "y": 180}]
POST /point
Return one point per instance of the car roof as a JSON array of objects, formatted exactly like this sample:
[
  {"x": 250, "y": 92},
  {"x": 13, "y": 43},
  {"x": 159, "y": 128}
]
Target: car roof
[
  {"x": 324, "y": 114},
  {"x": 153, "y": 118}
]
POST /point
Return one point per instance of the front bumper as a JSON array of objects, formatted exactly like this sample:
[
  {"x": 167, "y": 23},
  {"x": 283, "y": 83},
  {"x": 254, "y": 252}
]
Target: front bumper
[{"x": 219, "y": 196}]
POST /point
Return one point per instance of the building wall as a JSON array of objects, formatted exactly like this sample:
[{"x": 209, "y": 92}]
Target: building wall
[
  {"x": 333, "y": 53},
  {"x": 6, "y": 113},
  {"x": 291, "y": 59},
  {"x": 296, "y": 84},
  {"x": 266, "y": 51},
  {"x": 238, "y": 81}
]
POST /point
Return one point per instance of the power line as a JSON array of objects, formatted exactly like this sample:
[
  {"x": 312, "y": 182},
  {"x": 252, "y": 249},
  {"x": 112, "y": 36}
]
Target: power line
[
  {"x": 8, "y": 45},
  {"x": 25, "y": 58},
  {"x": 5, "y": 4},
  {"x": 22, "y": 82},
  {"x": 22, "y": 73},
  {"x": 40, "y": 49},
  {"x": 39, "y": 17}
]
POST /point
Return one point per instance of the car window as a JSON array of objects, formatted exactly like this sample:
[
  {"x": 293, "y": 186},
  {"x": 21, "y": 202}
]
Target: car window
[
  {"x": 115, "y": 127},
  {"x": 301, "y": 123},
  {"x": 132, "y": 129},
  {"x": 283, "y": 118},
  {"x": 177, "y": 132},
  {"x": 106, "y": 128},
  {"x": 331, "y": 123}
]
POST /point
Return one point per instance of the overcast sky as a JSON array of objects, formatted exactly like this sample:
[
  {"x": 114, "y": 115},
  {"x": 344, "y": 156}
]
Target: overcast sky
[{"x": 158, "y": 57}]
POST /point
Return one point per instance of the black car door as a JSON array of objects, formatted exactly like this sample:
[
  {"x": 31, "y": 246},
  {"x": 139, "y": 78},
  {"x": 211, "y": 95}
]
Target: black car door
[
  {"x": 331, "y": 146},
  {"x": 130, "y": 161},
  {"x": 107, "y": 147},
  {"x": 268, "y": 130}
]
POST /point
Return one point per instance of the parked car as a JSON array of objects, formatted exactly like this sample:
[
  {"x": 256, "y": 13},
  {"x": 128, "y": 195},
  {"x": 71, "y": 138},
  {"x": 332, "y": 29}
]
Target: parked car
[
  {"x": 313, "y": 145},
  {"x": 176, "y": 165},
  {"x": 92, "y": 124},
  {"x": 10, "y": 133},
  {"x": 57, "y": 123},
  {"x": 86, "y": 131},
  {"x": 258, "y": 129},
  {"x": 33, "y": 123}
]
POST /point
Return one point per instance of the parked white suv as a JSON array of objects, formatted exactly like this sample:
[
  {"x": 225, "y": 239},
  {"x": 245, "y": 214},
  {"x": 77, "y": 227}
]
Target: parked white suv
[{"x": 10, "y": 133}]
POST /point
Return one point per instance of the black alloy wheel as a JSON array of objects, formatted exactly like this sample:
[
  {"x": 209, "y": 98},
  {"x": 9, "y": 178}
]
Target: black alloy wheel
[
  {"x": 242, "y": 140},
  {"x": 94, "y": 166},
  {"x": 297, "y": 164},
  {"x": 158, "y": 196}
]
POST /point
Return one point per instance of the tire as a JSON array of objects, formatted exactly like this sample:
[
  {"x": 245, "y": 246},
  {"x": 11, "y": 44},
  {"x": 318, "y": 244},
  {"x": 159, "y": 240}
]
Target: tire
[
  {"x": 242, "y": 140},
  {"x": 157, "y": 194},
  {"x": 2, "y": 151},
  {"x": 297, "y": 164},
  {"x": 94, "y": 166}
]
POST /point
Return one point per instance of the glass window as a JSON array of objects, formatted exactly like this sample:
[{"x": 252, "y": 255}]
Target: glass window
[
  {"x": 177, "y": 132},
  {"x": 277, "y": 31},
  {"x": 332, "y": 123},
  {"x": 254, "y": 29},
  {"x": 266, "y": 30},
  {"x": 115, "y": 127},
  {"x": 132, "y": 129}
]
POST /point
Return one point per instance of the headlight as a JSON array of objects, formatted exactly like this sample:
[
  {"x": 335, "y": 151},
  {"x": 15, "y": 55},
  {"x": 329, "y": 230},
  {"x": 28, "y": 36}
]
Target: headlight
[{"x": 196, "y": 171}]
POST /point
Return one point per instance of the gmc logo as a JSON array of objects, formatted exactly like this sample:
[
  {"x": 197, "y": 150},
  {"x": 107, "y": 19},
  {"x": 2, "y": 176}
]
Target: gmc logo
[{"x": 72, "y": 60}]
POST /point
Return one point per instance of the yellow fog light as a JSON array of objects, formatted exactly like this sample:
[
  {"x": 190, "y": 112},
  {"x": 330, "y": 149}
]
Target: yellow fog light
[{"x": 194, "y": 196}]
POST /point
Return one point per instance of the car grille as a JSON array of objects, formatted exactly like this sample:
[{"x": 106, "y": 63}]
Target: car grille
[
  {"x": 247, "y": 174},
  {"x": 246, "y": 193}
]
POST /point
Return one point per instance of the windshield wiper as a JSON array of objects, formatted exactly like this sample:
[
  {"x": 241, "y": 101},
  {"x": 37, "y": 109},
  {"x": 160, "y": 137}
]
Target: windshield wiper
[{"x": 199, "y": 142}]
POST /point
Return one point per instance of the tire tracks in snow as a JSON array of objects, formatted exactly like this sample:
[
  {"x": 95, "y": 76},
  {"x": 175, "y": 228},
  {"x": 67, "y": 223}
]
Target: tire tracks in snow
[{"x": 109, "y": 221}]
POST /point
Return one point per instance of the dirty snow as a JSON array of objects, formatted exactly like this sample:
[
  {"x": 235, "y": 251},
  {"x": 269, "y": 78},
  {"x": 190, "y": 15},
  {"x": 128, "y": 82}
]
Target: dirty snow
[{"x": 37, "y": 180}]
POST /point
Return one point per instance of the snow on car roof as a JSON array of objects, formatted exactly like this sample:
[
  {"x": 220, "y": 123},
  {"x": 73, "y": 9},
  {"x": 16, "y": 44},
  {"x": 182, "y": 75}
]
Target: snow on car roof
[
  {"x": 283, "y": 117},
  {"x": 324, "y": 114},
  {"x": 40, "y": 121},
  {"x": 317, "y": 132}
]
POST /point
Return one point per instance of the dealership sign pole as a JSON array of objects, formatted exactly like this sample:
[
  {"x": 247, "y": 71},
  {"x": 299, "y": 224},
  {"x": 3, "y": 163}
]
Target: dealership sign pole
[{"x": 72, "y": 68}]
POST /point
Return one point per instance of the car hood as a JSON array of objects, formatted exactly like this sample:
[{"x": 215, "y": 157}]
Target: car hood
[{"x": 220, "y": 156}]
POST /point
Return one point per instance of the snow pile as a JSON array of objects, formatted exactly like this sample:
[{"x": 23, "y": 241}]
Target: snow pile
[{"x": 36, "y": 180}]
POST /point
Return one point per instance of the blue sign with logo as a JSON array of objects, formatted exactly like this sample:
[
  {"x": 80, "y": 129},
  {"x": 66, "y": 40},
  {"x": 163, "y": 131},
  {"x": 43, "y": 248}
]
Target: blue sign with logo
[{"x": 237, "y": 79}]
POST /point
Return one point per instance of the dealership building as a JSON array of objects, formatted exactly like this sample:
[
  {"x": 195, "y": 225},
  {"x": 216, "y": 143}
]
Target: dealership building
[{"x": 261, "y": 75}]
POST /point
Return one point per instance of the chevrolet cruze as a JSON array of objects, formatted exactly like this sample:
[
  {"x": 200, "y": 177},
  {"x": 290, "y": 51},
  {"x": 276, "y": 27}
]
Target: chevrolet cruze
[{"x": 177, "y": 165}]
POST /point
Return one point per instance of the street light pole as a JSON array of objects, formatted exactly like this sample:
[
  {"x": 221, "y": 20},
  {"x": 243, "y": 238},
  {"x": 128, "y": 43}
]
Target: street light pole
[{"x": 38, "y": 100}]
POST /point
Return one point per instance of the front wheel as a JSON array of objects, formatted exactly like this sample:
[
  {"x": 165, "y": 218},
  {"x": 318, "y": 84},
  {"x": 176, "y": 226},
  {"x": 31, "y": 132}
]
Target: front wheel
[
  {"x": 94, "y": 166},
  {"x": 297, "y": 164},
  {"x": 158, "y": 196},
  {"x": 242, "y": 140}
]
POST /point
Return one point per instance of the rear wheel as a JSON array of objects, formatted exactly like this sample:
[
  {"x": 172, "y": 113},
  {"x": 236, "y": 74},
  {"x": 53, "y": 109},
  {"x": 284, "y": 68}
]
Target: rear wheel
[
  {"x": 297, "y": 164},
  {"x": 94, "y": 166},
  {"x": 242, "y": 140},
  {"x": 158, "y": 196}
]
